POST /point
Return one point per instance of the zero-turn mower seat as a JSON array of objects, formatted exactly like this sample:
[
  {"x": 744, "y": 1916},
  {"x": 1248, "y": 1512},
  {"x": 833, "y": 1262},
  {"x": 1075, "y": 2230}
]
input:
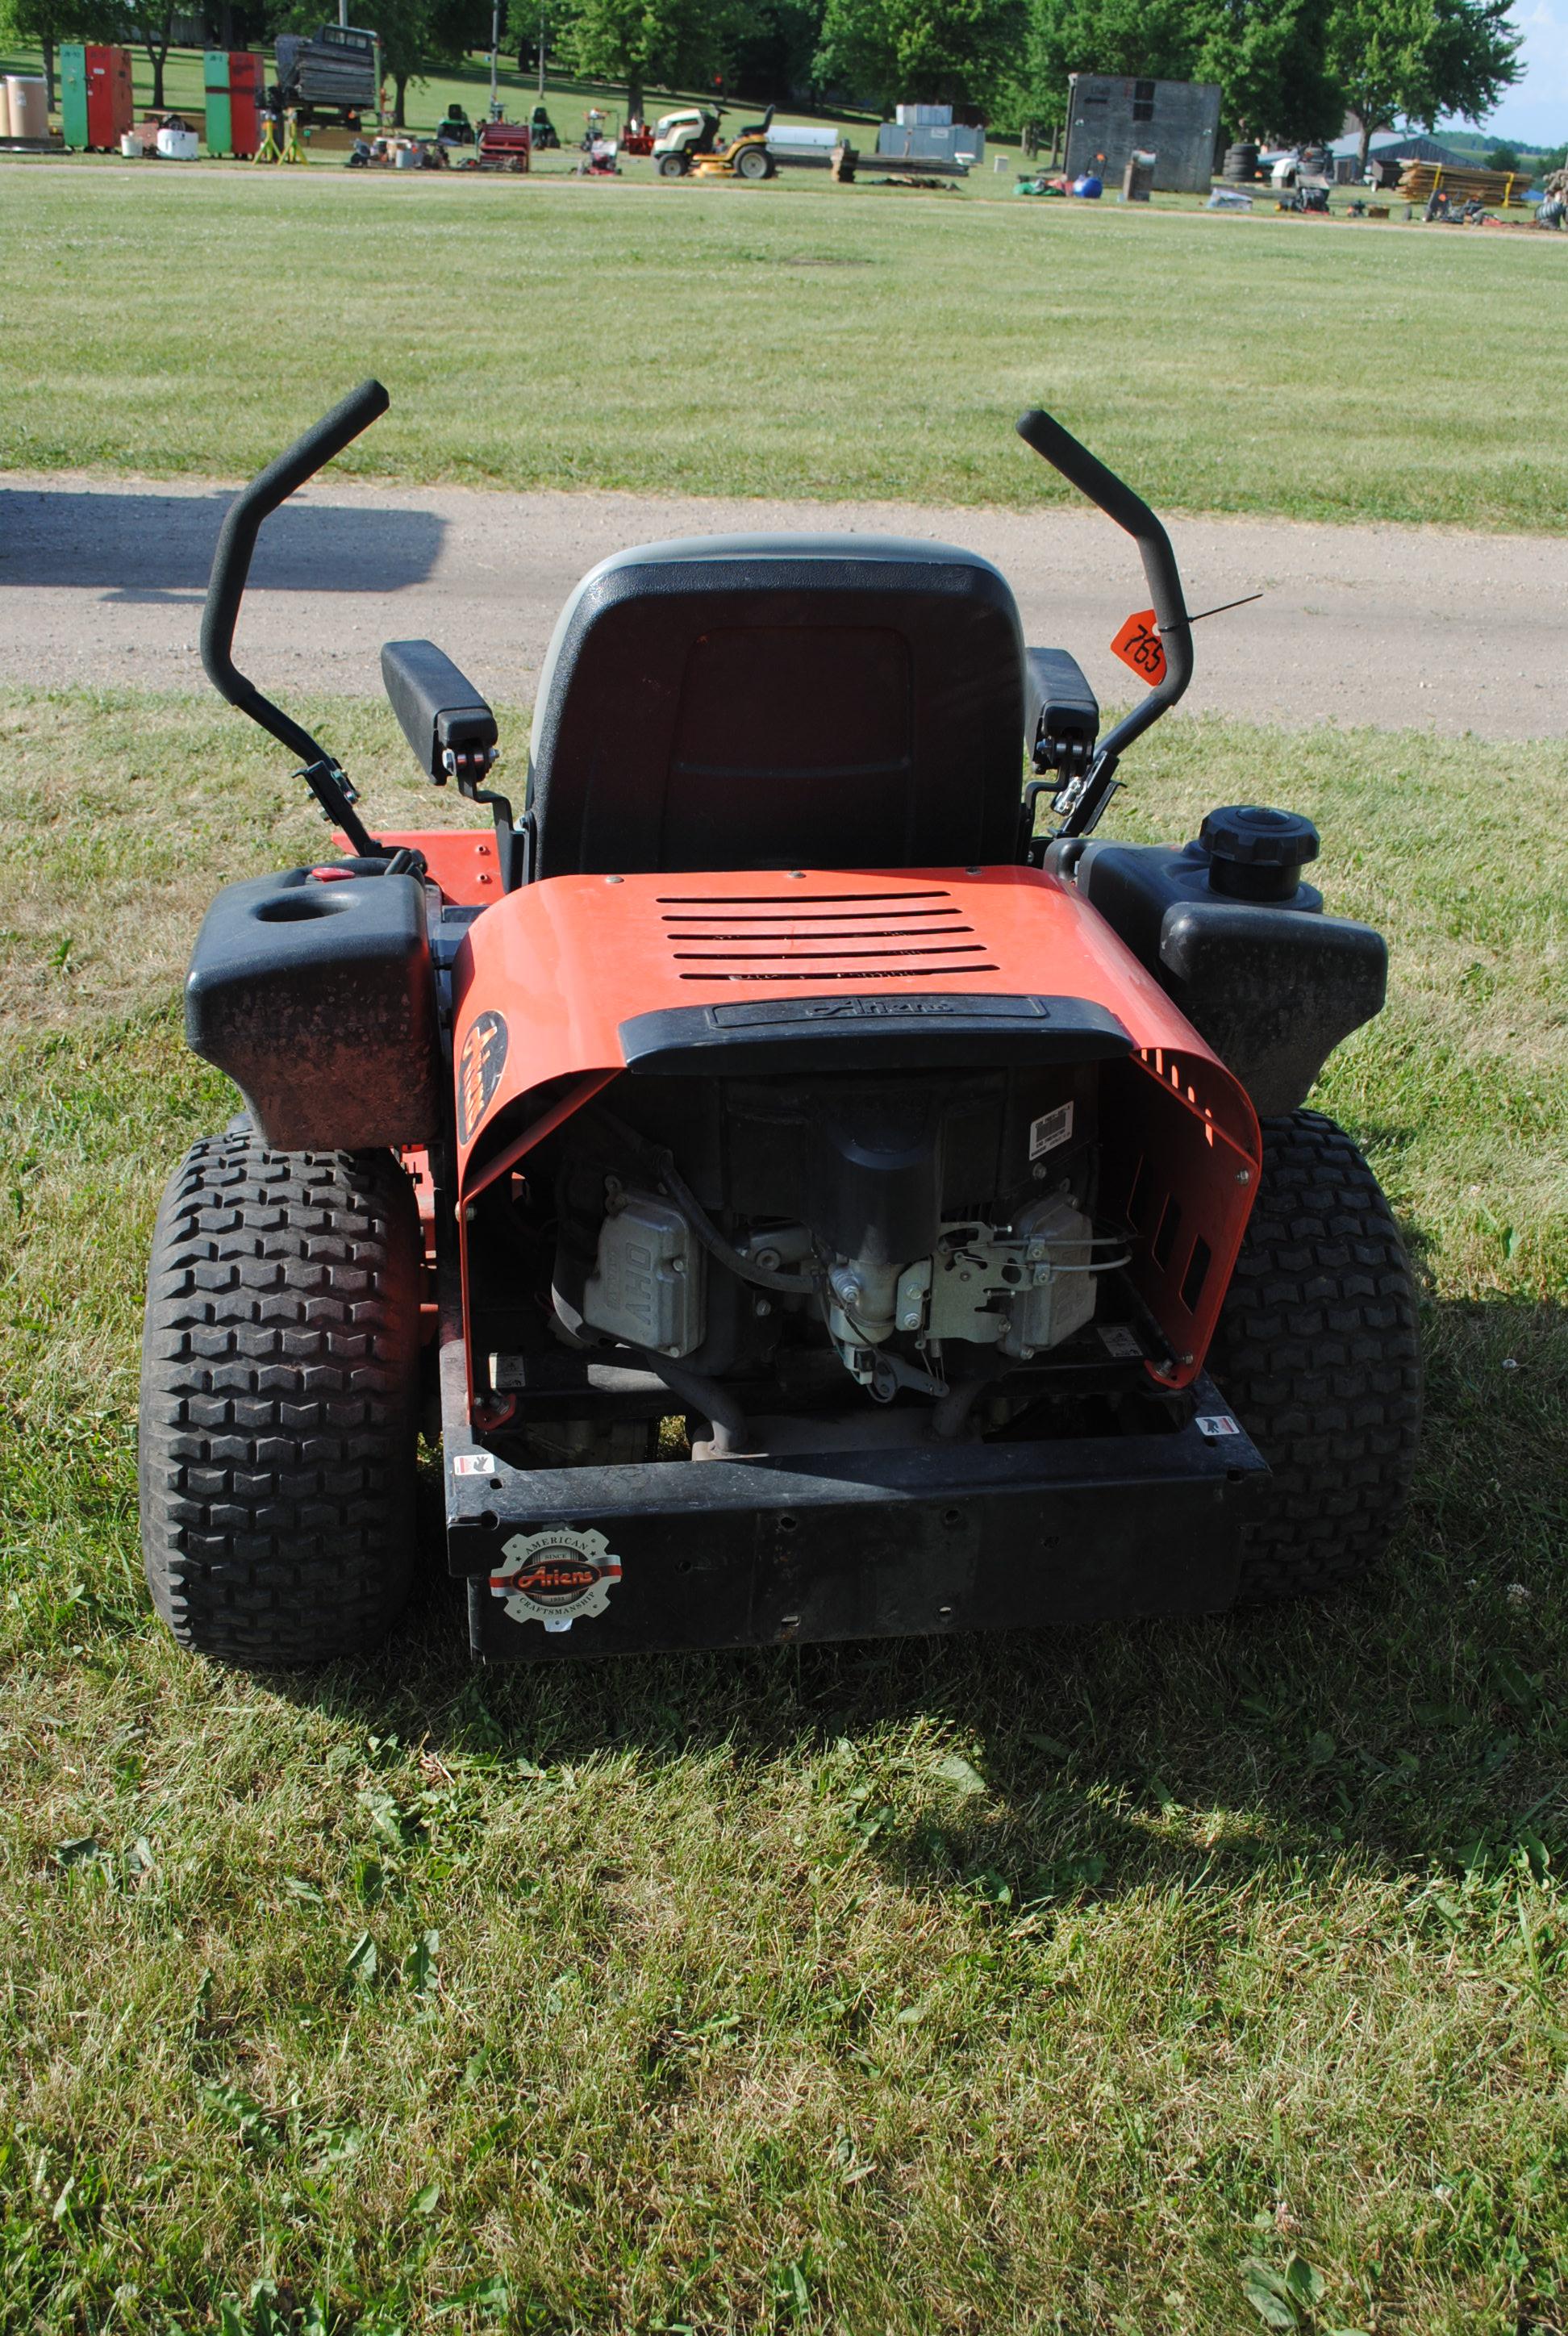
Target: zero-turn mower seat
[{"x": 774, "y": 701}]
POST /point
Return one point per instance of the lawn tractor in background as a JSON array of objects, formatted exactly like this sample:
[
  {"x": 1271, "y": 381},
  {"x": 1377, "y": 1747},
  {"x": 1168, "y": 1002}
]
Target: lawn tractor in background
[
  {"x": 680, "y": 137},
  {"x": 747, "y": 155},
  {"x": 545, "y": 135},
  {"x": 804, "y": 1196},
  {"x": 689, "y": 143}
]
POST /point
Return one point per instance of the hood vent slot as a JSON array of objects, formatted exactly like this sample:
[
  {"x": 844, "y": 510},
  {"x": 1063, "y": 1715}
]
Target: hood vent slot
[{"x": 860, "y": 937}]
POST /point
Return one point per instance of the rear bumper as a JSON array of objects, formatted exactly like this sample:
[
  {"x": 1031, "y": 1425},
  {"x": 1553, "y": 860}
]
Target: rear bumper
[{"x": 847, "y": 1545}]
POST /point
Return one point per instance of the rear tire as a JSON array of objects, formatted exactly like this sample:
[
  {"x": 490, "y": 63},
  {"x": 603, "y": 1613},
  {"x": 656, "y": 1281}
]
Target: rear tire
[
  {"x": 752, "y": 162},
  {"x": 1319, "y": 1354},
  {"x": 672, "y": 166},
  {"x": 280, "y": 1401}
]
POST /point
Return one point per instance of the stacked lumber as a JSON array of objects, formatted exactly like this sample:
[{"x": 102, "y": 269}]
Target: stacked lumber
[{"x": 1498, "y": 188}]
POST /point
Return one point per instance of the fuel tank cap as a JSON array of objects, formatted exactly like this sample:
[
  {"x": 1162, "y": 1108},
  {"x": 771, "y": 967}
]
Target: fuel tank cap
[{"x": 1257, "y": 855}]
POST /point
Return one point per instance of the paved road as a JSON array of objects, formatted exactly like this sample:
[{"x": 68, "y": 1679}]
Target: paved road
[{"x": 101, "y": 582}]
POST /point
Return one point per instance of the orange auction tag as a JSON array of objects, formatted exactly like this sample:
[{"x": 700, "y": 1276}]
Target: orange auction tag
[{"x": 1138, "y": 644}]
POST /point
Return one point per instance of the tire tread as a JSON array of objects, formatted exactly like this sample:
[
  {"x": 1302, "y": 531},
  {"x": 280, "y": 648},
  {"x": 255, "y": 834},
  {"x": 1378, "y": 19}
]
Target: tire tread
[
  {"x": 1317, "y": 1351},
  {"x": 279, "y": 1383}
]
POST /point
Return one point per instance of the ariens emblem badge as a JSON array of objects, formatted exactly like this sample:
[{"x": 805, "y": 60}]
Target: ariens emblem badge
[{"x": 557, "y": 1577}]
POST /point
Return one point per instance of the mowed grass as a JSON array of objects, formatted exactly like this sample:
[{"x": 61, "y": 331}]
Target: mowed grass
[
  {"x": 1069, "y": 1982},
  {"x": 797, "y": 339}
]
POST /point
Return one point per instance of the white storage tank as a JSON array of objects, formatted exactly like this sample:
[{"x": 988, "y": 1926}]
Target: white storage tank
[{"x": 27, "y": 98}]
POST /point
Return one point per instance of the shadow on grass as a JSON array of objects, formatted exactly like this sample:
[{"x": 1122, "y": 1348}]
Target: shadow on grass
[{"x": 1403, "y": 1724}]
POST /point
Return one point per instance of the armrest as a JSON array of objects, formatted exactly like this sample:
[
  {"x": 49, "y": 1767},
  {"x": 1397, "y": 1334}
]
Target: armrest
[
  {"x": 1061, "y": 713},
  {"x": 450, "y": 727}
]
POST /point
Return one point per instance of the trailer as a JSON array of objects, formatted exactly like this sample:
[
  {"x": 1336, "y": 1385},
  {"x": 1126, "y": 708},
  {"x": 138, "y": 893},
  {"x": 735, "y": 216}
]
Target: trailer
[{"x": 330, "y": 75}]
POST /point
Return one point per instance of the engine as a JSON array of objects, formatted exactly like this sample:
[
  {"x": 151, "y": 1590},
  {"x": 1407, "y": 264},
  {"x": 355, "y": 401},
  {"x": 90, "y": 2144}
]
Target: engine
[{"x": 916, "y": 1236}]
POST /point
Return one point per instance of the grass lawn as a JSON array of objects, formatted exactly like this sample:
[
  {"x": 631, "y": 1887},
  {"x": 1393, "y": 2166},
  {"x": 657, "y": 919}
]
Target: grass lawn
[
  {"x": 795, "y": 339},
  {"x": 1085, "y": 1983}
]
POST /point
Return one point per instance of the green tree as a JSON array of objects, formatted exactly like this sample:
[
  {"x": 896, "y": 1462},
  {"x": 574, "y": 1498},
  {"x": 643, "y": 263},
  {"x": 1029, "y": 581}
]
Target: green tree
[
  {"x": 774, "y": 56},
  {"x": 958, "y": 52},
  {"x": 431, "y": 34},
  {"x": 1269, "y": 58},
  {"x": 151, "y": 22},
  {"x": 1150, "y": 40},
  {"x": 45, "y": 24},
  {"x": 665, "y": 43},
  {"x": 1503, "y": 158},
  {"x": 1416, "y": 60}
]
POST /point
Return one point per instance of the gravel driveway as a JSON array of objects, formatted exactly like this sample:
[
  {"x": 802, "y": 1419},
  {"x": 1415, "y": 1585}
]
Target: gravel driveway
[{"x": 100, "y": 583}]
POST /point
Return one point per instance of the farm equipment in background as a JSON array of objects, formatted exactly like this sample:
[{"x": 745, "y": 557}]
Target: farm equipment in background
[
  {"x": 808, "y": 1201},
  {"x": 503, "y": 146},
  {"x": 599, "y": 146},
  {"x": 679, "y": 138},
  {"x": 747, "y": 155},
  {"x": 637, "y": 137},
  {"x": 689, "y": 143},
  {"x": 454, "y": 127},
  {"x": 331, "y": 75},
  {"x": 545, "y": 136}
]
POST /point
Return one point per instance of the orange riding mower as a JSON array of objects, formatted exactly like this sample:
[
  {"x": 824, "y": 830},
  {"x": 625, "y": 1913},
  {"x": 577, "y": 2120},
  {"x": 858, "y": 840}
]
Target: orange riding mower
[{"x": 807, "y": 1182}]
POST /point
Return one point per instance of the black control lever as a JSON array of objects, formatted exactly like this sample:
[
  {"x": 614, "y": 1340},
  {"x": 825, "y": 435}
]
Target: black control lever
[
  {"x": 231, "y": 567},
  {"x": 1085, "y": 800}
]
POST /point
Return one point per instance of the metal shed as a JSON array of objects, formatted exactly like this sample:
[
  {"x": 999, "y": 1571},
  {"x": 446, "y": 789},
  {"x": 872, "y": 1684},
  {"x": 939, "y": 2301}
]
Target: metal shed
[{"x": 1177, "y": 122}]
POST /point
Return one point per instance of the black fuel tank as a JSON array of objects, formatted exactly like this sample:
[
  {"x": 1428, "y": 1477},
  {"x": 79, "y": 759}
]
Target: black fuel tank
[
  {"x": 1228, "y": 930},
  {"x": 317, "y": 997}
]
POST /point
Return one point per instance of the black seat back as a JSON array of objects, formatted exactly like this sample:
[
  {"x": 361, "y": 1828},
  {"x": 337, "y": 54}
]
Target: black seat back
[{"x": 780, "y": 701}]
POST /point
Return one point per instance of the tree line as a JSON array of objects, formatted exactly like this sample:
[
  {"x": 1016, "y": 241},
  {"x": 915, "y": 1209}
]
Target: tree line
[{"x": 1288, "y": 70}]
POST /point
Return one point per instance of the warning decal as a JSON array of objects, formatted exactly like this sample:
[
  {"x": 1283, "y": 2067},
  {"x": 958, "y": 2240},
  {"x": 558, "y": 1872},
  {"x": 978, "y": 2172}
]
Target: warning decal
[{"x": 1050, "y": 1131}]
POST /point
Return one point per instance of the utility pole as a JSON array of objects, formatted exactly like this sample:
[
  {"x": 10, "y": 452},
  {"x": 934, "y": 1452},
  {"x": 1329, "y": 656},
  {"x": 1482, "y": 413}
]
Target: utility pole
[
  {"x": 542, "y": 57},
  {"x": 494, "y": 57}
]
